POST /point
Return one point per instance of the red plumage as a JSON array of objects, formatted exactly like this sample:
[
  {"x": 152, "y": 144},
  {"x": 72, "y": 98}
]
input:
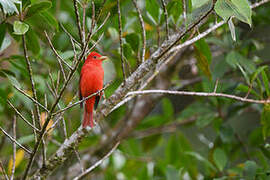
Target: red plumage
[{"x": 91, "y": 81}]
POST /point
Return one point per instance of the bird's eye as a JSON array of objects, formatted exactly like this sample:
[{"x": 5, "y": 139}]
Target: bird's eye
[{"x": 95, "y": 57}]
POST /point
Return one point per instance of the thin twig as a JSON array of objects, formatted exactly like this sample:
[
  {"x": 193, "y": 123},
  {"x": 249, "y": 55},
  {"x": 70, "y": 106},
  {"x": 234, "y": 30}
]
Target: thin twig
[
  {"x": 78, "y": 20},
  {"x": 103, "y": 23},
  {"x": 84, "y": 6},
  {"x": 14, "y": 140},
  {"x": 184, "y": 7},
  {"x": 54, "y": 89},
  {"x": 43, "y": 152},
  {"x": 23, "y": 118},
  {"x": 187, "y": 93},
  {"x": 79, "y": 159},
  {"x": 120, "y": 39},
  {"x": 257, "y": 4},
  {"x": 14, "y": 150},
  {"x": 94, "y": 45},
  {"x": 29, "y": 97},
  {"x": 166, "y": 18},
  {"x": 3, "y": 170},
  {"x": 30, "y": 71},
  {"x": 34, "y": 124},
  {"x": 59, "y": 58},
  {"x": 142, "y": 29},
  {"x": 93, "y": 18},
  {"x": 87, "y": 171},
  {"x": 69, "y": 35}
]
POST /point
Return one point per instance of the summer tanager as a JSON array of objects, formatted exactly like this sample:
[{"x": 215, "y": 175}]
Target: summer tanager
[{"x": 91, "y": 81}]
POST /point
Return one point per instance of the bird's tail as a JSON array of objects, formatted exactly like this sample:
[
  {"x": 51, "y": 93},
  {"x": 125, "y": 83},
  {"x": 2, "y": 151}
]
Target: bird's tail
[{"x": 88, "y": 113}]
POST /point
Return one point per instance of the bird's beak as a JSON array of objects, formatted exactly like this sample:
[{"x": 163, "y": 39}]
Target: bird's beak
[{"x": 102, "y": 58}]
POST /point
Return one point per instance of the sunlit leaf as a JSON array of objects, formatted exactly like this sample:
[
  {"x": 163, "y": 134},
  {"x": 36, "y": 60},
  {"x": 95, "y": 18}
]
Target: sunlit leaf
[
  {"x": 113, "y": 33},
  {"x": 237, "y": 8},
  {"x": 43, "y": 117},
  {"x": 20, "y": 28},
  {"x": 9, "y": 6},
  {"x": 232, "y": 29},
  {"x": 18, "y": 160}
]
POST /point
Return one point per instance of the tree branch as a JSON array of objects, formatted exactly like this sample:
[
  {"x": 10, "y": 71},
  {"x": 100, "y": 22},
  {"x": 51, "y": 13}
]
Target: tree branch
[{"x": 187, "y": 93}]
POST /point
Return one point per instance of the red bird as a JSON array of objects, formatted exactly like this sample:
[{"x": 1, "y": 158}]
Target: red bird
[{"x": 91, "y": 81}]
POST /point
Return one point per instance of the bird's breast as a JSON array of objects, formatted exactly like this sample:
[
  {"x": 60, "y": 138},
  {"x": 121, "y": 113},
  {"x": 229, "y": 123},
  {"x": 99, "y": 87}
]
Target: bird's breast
[{"x": 91, "y": 79}]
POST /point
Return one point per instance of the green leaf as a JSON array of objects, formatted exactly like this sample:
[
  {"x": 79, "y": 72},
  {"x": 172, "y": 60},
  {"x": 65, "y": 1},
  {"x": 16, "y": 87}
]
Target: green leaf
[
  {"x": 38, "y": 7},
  {"x": 172, "y": 173},
  {"x": 174, "y": 9},
  {"x": 26, "y": 139},
  {"x": 203, "y": 47},
  {"x": 257, "y": 72},
  {"x": 250, "y": 169},
  {"x": 234, "y": 59},
  {"x": 152, "y": 8},
  {"x": 220, "y": 158},
  {"x": 245, "y": 89},
  {"x": 232, "y": 29},
  {"x": 244, "y": 73},
  {"x": 2, "y": 33},
  {"x": 204, "y": 120},
  {"x": 202, "y": 62},
  {"x": 20, "y": 28},
  {"x": 50, "y": 19},
  {"x": 113, "y": 33},
  {"x": 266, "y": 83},
  {"x": 265, "y": 120},
  {"x": 237, "y": 8},
  {"x": 199, "y": 11},
  {"x": 13, "y": 81},
  {"x": 9, "y": 6},
  {"x": 202, "y": 159},
  {"x": 226, "y": 134},
  {"x": 196, "y": 4},
  {"x": 167, "y": 108},
  {"x": 32, "y": 42},
  {"x": 5, "y": 72},
  {"x": 5, "y": 43},
  {"x": 127, "y": 50},
  {"x": 134, "y": 41}
]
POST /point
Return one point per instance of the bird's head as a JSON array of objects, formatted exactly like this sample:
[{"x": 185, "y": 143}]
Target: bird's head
[{"x": 94, "y": 56}]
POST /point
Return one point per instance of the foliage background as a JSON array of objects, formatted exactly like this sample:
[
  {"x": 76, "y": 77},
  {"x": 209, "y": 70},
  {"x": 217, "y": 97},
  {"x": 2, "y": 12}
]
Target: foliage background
[{"x": 174, "y": 137}]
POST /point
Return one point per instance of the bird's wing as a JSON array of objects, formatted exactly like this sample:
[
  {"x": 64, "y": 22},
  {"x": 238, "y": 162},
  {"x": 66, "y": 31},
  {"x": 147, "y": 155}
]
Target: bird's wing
[{"x": 97, "y": 98}]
